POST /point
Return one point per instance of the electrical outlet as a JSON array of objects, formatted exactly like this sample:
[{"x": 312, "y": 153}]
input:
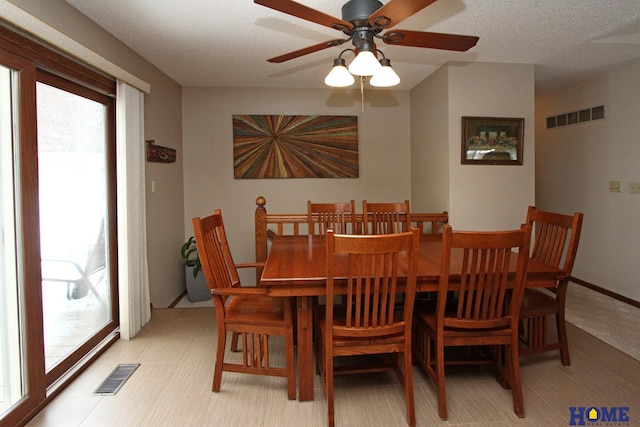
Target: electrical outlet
[
  {"x": 615, "y": 186},
  {"x": 634, "y": 187}
]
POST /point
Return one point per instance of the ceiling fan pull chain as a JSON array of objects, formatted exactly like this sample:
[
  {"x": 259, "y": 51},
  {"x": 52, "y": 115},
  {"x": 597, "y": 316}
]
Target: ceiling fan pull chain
[{"x": 362, "y": 92}]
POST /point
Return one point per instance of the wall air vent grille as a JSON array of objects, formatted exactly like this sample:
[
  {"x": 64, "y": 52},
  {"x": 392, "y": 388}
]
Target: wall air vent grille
[{"x": 576, "y": 117}]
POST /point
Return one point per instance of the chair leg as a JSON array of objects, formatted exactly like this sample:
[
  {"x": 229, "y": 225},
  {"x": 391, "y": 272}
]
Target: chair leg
[
  {"x": 328, "y": 389},
  {"x": 408, "y": 389},
  {"x": 537, "y": 332},
  {"x": 442, "y": 393},
  {"x": 234, "y": 341},
  {"x": 217, "y": 371},
  {"x": 503, "y": 370},
  {"x": 516, "y": 385},
  {"x": 561, "y": 327},
  {"x": 320, "y": 366},
  {"x": 290, "y": 361}
]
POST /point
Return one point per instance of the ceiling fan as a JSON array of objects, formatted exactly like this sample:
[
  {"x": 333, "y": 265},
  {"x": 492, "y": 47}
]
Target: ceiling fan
[{"x": 364, "y": 20}]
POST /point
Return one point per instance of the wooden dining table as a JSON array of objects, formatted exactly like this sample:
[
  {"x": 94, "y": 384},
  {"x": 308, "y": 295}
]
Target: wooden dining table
[{"x": 296, "y": 267}]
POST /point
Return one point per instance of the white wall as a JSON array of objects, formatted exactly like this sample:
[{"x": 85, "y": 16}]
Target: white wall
[
  {"x": 384, "y": 154},
  {"x": 485, "y": 196},
  {"x": 575, "y": 164},
  {"x": 480, "y": 197},
  {"x": 430, "y": 143}
]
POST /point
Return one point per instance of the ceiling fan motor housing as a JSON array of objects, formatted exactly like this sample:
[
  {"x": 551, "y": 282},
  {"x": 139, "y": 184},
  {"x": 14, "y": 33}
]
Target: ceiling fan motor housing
[
  {"x": 358, "y": 11},
  {"x": 362, "y": 38}
]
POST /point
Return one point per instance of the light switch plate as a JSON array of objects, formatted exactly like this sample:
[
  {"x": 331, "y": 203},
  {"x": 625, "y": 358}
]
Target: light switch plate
[
  {"x": 615, "y": 186},
  {"x": 634, "y": 187}
]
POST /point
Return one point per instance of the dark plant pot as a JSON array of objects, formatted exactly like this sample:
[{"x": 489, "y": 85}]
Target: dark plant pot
[{"x": 197, "y": 289}]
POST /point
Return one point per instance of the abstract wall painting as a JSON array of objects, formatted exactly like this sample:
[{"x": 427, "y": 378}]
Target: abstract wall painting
[{"x": 278, "y": 146}]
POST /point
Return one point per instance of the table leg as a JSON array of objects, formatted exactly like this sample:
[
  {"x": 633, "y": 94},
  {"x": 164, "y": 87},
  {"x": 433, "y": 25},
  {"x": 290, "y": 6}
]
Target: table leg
[{"x": 305, "y": 347}]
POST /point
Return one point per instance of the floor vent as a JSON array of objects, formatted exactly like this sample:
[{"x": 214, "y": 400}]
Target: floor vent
[{"x": 116, "y": 379}]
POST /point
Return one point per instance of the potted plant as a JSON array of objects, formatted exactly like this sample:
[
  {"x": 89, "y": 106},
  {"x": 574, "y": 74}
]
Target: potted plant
[{"x": 197, "y": 289}]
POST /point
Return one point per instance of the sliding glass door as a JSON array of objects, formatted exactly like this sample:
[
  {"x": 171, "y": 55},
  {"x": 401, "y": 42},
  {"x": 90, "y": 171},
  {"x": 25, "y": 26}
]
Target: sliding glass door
[
  {"x": 58, "y": 259},
  {"x": 72, "y": 170},
  {"x": 12, "y": 356}
]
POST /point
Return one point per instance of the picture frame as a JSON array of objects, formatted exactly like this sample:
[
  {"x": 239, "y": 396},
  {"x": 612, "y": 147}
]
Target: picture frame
[
  {"x": 159, "y": 154},
  {"x": 492, "y": 140},
  {"x": 301, "y": 146}
]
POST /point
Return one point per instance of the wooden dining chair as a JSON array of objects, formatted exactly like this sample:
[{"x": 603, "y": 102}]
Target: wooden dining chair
[
  {"x": 556, "y": 243},
  {"x": 430, "y": 224},
  {"x": 244, "y": 311},
  {"x": 339, "y": 217},
  {"x": 485, "y": 312},
  {"x": 386, "y": 218},
  {"x": 368, "y": 324}
]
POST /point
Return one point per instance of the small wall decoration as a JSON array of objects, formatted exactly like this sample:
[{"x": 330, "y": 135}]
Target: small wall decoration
[
  {"x": 156, "y": 153},
  {"x": 492, "y": 140},
  {"x": 270, "y": 146}
]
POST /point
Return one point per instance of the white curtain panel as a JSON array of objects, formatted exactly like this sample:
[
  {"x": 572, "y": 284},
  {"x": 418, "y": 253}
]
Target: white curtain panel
[{"x": 133, "y": 275}]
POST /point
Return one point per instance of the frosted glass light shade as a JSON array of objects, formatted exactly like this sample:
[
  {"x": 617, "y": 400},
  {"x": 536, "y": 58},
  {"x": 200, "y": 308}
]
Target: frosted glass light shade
[
  {"x": 385, "y": 77},
  {"x": 365, "y": 64},
  {"x": 339, "y": 76}
]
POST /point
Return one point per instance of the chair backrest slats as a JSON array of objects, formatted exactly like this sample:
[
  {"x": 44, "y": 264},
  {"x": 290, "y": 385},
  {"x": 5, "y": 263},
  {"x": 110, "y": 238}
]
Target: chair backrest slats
[
  {"x": 556, "y": 237},
  {"x": 338, "y": 217},
  {"x": 386, "y": 218},
  {"x": 373, "y": 265},
  {"x": 214, "y": 253},
  {"x": 488, "y": 284}
]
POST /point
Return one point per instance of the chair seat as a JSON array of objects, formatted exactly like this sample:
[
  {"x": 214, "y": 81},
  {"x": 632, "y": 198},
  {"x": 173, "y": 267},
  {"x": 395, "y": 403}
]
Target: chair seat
[
  {"x": 464, "y": 336},
  {"x": 394, "y": 340},
  {"x": 255, "y": 310},
  {"x": 537, "y": 303},
  {"x": 60, "y": 271}
]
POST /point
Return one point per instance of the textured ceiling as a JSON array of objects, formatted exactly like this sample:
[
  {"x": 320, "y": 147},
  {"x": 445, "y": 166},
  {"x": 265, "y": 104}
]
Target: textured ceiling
[{"x": 225, "y": 43}]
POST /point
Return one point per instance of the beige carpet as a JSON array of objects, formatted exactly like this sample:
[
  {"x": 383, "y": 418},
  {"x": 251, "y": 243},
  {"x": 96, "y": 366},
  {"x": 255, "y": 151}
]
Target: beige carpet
[
  {"x": 608, "y": 319},
  {"x": 612, "y": 321}
]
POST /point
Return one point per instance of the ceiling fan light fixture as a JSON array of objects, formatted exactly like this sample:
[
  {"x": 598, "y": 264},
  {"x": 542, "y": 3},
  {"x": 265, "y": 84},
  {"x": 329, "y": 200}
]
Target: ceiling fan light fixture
[
  {"x": 339, "y": 76},
  {"x": 362, "y": 22},
  {"x": 386, "y": 76},
  {"x": 365, "y": 64}
]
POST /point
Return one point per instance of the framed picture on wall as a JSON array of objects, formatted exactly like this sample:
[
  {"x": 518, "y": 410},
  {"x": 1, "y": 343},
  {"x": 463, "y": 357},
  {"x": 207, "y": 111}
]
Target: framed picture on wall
[
  {"x": 492, "y": 140},
  {"x": 279, "y": 146}
]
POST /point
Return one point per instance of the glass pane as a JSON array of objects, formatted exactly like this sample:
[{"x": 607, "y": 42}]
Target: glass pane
[
  {"x": 72, "y": 180},
  {"x": 12, "y": 361}
]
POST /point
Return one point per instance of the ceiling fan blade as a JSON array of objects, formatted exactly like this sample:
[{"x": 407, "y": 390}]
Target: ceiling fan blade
[
  {"x": 306, "y": 50},
  {"x": 304, "y": 12},
  {"x": 430, "y": 40},
  {"x": 399, "y": 10}
]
